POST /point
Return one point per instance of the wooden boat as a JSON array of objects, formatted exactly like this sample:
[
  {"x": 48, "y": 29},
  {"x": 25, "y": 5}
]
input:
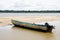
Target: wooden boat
[{"x": 45, "y": 27}]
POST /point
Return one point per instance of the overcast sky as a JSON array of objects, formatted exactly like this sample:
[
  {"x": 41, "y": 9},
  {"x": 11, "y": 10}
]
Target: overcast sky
[{"x": 29, "y": 4}]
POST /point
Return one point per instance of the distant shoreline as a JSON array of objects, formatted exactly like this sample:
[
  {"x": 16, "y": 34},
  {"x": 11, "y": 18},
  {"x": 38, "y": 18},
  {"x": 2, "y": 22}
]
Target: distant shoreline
[{"x": 23, "y": 11}]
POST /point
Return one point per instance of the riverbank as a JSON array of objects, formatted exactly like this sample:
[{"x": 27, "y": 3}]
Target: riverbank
[
  {"x": 8, "y": 32},
  {"x": 31, "y": 19}
]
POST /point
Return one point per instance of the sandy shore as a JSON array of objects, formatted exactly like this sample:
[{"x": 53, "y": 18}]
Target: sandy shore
[
  {"x": 31, "y": 19},
  {"x": 14, "y": 33}
]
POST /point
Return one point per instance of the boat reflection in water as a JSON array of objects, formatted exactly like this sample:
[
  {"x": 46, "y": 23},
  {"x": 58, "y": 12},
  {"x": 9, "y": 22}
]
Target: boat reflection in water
[{"x": 45, "y": 28}]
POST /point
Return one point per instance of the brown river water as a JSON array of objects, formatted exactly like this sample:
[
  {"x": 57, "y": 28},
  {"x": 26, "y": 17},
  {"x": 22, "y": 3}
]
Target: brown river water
[{"x": 8, "y": 32}]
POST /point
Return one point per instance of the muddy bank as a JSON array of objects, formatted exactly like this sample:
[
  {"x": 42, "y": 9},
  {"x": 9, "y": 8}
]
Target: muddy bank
[
  {"x": 8, "y": 32},
  {"x": 31, "y": 19}
]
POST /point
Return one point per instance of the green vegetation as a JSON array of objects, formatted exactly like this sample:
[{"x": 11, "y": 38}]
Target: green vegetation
[{"x": 23, "y": 11}]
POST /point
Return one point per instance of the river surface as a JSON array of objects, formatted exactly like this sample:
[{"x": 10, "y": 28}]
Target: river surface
[
  {"x": 9, "y": 32},
  {"x": 30, "y": 14}
]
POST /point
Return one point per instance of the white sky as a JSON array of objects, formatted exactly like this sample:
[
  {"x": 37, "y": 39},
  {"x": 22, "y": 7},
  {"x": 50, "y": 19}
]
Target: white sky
[{"x": 29, "y": 4}]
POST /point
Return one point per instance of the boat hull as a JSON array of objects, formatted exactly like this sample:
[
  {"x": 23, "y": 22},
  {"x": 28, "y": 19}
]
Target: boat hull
[{"x": 31, "y": 26}]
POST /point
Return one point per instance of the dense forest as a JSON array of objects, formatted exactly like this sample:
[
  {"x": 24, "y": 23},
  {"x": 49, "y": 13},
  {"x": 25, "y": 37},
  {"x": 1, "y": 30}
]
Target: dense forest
[{"x": 29, "y": 11}]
